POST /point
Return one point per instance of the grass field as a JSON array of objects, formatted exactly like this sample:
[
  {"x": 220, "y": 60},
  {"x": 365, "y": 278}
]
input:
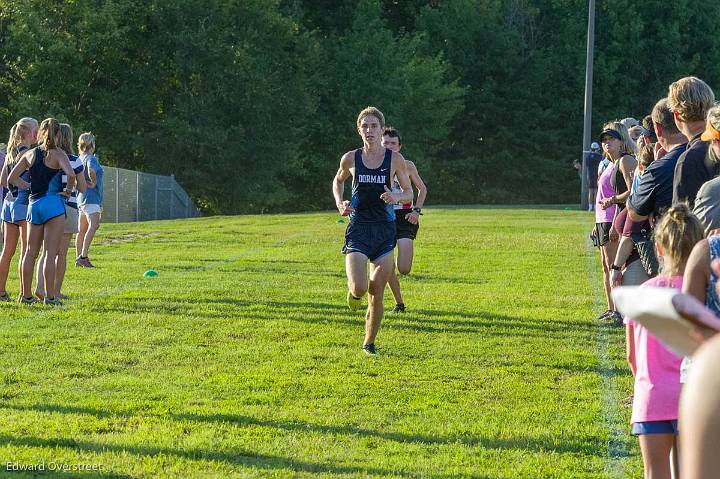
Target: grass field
[{"x": 241, "y": 359}]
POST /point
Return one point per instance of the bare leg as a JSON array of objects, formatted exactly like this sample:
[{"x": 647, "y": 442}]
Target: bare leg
[
  {"x": 699, "y": 418},
  {"x": 656, "y": 449},
  {"x": 10, "y": 241},
  {"x": 356, "y": 270},
  {"x": 61, "y": 264},
  {"x": 40, "y": 272},
  {"x": 405, "y": 255},
  {"x": 24, "y": 238},
  {"x": 52, "y": 236},
  {"x": 35, "y": 240},
  {"x": 378, "y": 280},
  {"x": 607, "y": 253},
  {"x": 82, "y": 230},
  {"x": 404, "y": 265},
  {"x": 394, "y": 283},
  {"x": 93, "y": 225}
]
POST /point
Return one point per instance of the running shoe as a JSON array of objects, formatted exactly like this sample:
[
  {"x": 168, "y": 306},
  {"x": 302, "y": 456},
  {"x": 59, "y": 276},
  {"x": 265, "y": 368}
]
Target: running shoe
[
  {"x": 29, "y": 300},
  {"x": 617, "y": 320},
  {"x": 399, "y": 308},
  {"x": 353, "y": 302},
  {"x": 606, "y": 315},
  {"x": 369, "y": 349},
  {"x": 83, "y": 262},
  {"x": 4, "y": 297},
  {"x": 52, "y": 302}
]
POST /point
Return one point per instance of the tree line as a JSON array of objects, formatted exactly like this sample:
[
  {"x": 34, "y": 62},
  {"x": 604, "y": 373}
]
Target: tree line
[{"x": 250, "y": 103}]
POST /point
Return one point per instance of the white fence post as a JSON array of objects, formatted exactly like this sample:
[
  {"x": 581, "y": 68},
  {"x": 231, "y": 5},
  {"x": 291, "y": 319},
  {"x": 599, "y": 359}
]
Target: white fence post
[
  {"x": 156, "y": 197},
  {"x": 117, "y": 195},
  {"x": 137, "y": 196}
]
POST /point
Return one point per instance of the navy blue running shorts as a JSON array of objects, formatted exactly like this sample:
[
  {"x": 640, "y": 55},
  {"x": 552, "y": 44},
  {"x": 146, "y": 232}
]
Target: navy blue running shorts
[
  {"x": 374, "y": 240},
  {"x": 655, "y": 427}
]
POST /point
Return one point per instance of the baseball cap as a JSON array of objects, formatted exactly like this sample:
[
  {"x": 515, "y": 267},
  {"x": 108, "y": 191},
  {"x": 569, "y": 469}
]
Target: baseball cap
[
  {"x": 711, "y": 133},
  {"x": 629, "y": 122}
]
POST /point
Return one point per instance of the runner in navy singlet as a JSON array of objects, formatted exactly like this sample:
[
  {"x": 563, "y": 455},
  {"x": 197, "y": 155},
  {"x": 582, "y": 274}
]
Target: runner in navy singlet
[
  {"x": 71, "y": 216},
  {"x": 370, "y": 234},
  {"x": 46, "y": 212}
]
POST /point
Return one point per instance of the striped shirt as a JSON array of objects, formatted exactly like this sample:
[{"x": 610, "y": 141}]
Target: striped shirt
[{"x": 77, "y": 165}]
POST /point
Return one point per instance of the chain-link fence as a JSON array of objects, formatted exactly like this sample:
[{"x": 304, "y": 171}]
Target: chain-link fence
[{"x": 135, "y": 196}]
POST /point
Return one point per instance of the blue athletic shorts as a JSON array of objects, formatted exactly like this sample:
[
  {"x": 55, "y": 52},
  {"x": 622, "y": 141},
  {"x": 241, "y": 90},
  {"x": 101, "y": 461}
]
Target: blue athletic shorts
[
  {"x": 374, "y": 240},
  {"x": 7, "y": 211},
  {"x": 45, "y": 208},
  {"x": 655, "y": 427},
  {"x": 13, "y": 211},
  {"x": 19, "y": 211}
]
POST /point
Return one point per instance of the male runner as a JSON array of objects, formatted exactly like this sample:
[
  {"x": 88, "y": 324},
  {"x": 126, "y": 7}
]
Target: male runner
[
  {"x": 407, "y": 219},
  {"x": 370, "y": 234}
]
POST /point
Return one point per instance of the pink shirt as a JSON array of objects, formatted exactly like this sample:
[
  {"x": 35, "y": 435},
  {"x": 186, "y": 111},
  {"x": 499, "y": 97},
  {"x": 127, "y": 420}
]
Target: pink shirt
[
  {"x": 605, "y": 190},
  {"x": 657, "y": 370}
]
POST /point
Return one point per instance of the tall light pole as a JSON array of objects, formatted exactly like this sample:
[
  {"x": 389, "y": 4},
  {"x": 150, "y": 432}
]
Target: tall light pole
[{"x": 587, "y": 127}]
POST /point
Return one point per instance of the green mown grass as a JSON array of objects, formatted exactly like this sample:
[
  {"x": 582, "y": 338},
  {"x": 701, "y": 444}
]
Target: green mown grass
[{"x": 241, "y": 359}]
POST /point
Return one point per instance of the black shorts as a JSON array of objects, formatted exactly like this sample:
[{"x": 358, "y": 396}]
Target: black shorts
[
  {"x": 374, "y": 240},
  {"x": 602, "y": 233},
  {"x": 405, "y": 229}
]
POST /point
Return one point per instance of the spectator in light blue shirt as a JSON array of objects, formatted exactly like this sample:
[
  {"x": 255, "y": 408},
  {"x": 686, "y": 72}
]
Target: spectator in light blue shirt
[{"x": 90, "y": 202}]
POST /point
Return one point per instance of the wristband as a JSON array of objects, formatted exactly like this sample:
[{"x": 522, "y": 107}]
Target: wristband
[
  {"x": 616, "y": 268},
  {"x": 418, "y": 210}
]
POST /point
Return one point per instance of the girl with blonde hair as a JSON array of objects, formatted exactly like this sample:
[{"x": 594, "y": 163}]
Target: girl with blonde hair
[
  {"x": 46, "y": 210},
  {"x": 14, "y": 210},
  {"x": 90, "y": 201},
  {"x": 71, "y": 216},
  {"x": 657, "y": 370}
]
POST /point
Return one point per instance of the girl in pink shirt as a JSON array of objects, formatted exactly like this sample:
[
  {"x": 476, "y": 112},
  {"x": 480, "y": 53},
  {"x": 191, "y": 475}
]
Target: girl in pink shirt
[{"x": 657, "y": 370}]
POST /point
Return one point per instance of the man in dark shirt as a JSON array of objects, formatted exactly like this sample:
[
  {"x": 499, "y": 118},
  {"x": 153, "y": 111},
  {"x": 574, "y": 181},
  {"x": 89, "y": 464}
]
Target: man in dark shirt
[
  {"x": 593, "y": 162},
  {"x": 689, "y": 99},
  {"x": 654, "y": 192}
]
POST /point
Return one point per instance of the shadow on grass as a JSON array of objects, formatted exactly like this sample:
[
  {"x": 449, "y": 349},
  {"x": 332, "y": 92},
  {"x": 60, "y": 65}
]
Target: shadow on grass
[
  {"x": 544, "y": 444},
  {"x": 235, "y": 457},
  {"x": 612, "y": 371},
  {"x": 421, "y": 320}
]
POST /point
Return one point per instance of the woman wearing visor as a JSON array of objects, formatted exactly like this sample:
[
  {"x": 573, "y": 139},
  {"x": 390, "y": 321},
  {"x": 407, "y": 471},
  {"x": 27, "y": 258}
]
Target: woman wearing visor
[{"x": 613, "y": 190}]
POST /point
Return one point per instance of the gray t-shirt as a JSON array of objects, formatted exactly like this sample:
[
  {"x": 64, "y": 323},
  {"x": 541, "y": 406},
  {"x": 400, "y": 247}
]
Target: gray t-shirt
[{"x": 707, "y": 205}]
